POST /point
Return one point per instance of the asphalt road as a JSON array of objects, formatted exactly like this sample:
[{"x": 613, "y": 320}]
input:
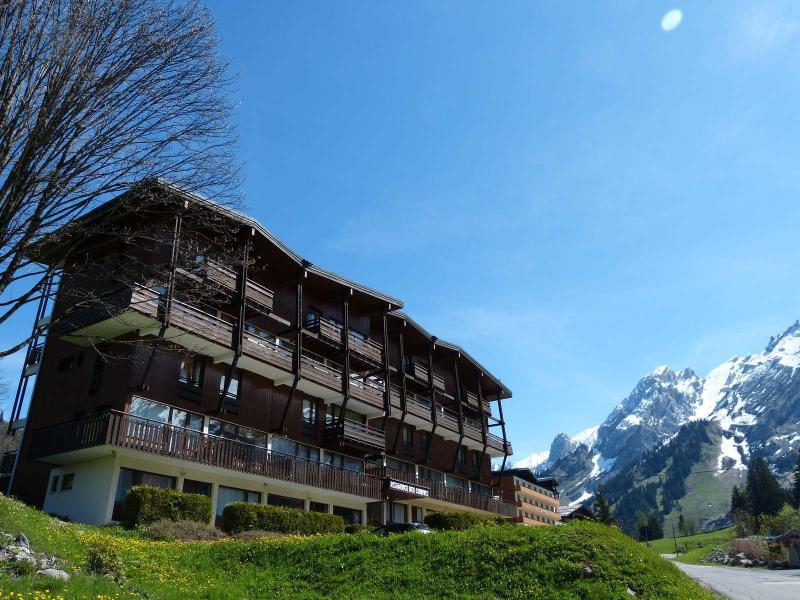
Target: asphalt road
[{"x": 738, "y": 583}]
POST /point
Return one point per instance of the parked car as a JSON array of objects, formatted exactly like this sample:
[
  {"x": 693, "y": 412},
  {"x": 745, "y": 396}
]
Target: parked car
[{"x": 391, "y": 528}]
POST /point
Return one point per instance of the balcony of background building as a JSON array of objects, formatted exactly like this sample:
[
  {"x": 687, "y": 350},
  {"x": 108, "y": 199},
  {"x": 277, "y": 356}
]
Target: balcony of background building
[
  {"x": 354, "y": 434},
  {"x": 329, "y": 331},
  {"x": 257, "y": 295}
]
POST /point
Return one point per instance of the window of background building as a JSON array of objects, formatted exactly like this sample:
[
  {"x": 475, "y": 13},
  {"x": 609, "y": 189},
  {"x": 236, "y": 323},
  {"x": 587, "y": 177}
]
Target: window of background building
[
  {"x": 343, "y": 461},
  {"x": 162, "y": 413},
  {"x": 320, "y": 507},
  {"x": 67, "y": 481},
  {"x": 397, "y": 513},
  {"x": 462, "y": 458},
  {"x": 425, "y": 443},
  {"x": 231, "y": 431},
  {"x": 284, "y": 445},
  {"x": 408, "y": 439},
  {"x": 232, "y": 394},
  {"x": 131, "y": 477},
  {"x": 191, "y": 486}
]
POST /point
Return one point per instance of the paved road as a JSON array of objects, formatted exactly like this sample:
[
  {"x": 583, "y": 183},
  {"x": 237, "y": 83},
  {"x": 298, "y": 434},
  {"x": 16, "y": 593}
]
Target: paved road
[{"x": 738, "y": 583}]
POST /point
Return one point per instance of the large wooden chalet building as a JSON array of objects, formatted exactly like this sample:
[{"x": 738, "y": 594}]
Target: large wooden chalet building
[{"x": 278, "y": 382}]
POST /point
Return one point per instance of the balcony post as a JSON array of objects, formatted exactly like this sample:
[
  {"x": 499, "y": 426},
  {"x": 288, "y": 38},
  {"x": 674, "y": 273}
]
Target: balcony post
[
  {"x": 403, "y": 387},
  {"x": 238, "y": 327},
  {"x": 503, "y": 429},
  {"x": 346, "y": 342},
  {"x": 297, "y": 359},
  {"x": 387, "y": 398},
  {"x": 460, "y": 411},
  {"x": 484, "y": 432},
  {"x": 434, "y": 418}
]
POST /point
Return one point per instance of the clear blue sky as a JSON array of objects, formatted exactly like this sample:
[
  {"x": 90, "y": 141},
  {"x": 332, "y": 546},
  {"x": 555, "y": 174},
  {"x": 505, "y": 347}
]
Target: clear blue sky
[{"x": 563, "y": 188}]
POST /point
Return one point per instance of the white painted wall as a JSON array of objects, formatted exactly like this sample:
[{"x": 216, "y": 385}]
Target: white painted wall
[{"x": 91, "y": 495}]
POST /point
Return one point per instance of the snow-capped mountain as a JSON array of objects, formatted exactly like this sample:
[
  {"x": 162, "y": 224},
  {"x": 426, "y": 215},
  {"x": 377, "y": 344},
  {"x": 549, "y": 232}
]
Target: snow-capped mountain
[{"x": 752, "y": 401}]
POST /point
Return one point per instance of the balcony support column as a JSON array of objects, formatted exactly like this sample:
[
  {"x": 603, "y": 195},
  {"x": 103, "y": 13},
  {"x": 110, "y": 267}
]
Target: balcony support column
[
  {"x": 434, "y": 418},
  {"x": 484, "y": 428},
  {"x": 387, "y": 398},
  {"x": 166, "y": 307},
  {"x": 460, "y": 411},
  {"x": 346, "y": 348},
  {"x": 503, "y": 429},
  {"x": 403, "y": 387},
  {"x": 297, "y": 359},
  {"x": 238, "y": 327}
]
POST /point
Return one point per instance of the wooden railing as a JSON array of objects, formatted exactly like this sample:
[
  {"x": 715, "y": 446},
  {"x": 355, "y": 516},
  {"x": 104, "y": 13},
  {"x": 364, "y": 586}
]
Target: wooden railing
[
  {"x": 355, "y": 432},
  {"x": 322, "y": 371},
  {"x": 121, "y": 430},
  {"x": 366, "y": 348},
  {"x": 417, "y": 405},
  {"x": 440, "y": 490},
  {"x": 208, "y": 326},
  {"x": 369, "y": 391},
  {"x": 255, "y": 293},
  {"x": 267, "y": 347},
  {"x": 326, "y": 329}
]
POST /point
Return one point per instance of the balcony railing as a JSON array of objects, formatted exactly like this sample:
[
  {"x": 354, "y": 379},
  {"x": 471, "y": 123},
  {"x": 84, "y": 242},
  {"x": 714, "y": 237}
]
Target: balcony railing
[
  {"x": 267, "y": 347},
  {"x": 331, "y": 331},
  {"x": 355, "y": 433},
  {"x": 122, "y": 430},
  {"x": 323, "y": 371},
  {"x": 255, "y": 293},
  {"x": 369, "y": 390},
  {"x": 454, "y": 494},
  {"x": 417, "y": 405},
  {"x": 208, "y": 326}
]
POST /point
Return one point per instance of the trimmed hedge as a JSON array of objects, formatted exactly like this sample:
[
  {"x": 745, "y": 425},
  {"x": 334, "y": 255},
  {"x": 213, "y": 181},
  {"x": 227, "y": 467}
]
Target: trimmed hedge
[
  {"x": 248, "y": 516},
  {"x": 458, "y": 520},
  {"x": 147, "y": 504},
  {"x": 357, "y": 528}
]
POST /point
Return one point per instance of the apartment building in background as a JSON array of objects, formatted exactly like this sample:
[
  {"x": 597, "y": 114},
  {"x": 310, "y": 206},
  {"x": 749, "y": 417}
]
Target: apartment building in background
[
  {"x": 262, "y": 379},
  {"x": 536, "y": 498}
]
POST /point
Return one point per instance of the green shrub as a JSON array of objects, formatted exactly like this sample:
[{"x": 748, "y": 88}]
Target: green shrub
[
  {"x": 247, "y": 516},
  {"x": 146, "y": 504},
  {"x": 104, "y": 560},
  {"x": 357, "y": 528},
  {"x": 456, "y": 520},
  {"x": 183, "y": 531},
  {"x": 257, "y": 534}
]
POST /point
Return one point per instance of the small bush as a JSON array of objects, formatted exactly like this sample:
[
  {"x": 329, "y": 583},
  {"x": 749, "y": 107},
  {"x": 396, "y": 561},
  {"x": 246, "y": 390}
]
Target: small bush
[
  {"x": 183, "y": 531},
  {"x": 456, "y": 520},
  {"x": 146, "y": 504},
  {"x": 247, "y": 516},
  {"x": 357, "y": 528},
  {"x": 104, "y": 560}
]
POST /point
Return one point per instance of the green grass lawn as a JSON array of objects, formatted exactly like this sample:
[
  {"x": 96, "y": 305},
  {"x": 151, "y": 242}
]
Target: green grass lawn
[
  {"x": 697, "y": 545},
  {"x": 481, "y": 563}
]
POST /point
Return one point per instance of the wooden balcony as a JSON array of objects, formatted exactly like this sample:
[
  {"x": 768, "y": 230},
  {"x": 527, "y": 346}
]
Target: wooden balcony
[
  {"x": 267, "y": 347},
  {"x": 121, "y": 430},
  {"x": 441, "y": 490},
  {"x": 326, "y": 329},
  {"x": 368, "y": 349},
  {"x": 370, "y": 391},
  {"x": 416, "y": 405},
  {"x": 203, "y": 324},
  {"x": 418, "y": 371},
  {"x": 258, "y": 296},
  {"x": 322, "y": 371},
  {"x": 356, "y": 434},
  {"x": 471, "y": 399}
]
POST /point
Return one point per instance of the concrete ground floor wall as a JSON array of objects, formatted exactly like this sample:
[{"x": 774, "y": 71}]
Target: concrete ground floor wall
[{"x": 85, "y": 491}]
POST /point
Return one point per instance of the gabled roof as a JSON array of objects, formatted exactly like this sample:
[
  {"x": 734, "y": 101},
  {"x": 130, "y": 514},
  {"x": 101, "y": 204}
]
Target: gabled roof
[{"x": 454, "y": 347}]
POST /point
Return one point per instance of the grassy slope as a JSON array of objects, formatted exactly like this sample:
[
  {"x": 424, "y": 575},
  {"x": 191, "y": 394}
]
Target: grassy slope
[
  {"x": 697, "y": 545},
  {"x": 493, "y": 562}
]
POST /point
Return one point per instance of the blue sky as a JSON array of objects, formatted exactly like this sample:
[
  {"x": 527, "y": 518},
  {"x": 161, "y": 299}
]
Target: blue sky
[{"x": 571, "y": 193}]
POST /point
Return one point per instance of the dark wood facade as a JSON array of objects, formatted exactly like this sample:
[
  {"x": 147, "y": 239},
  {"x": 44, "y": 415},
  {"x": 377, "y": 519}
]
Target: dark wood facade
[{"x": 291, "y": 336}]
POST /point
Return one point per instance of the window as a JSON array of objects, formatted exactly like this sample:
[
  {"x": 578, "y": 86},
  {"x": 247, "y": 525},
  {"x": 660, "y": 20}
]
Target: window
[
  {"x": 97, "y": 375},
  {"x": 163, "y": 413},
  {"x": 462, "y": 458},
  {"x": 232, "y": 393},
  {"x": 70, "y": 362},
  {"x": 276, "y": 500},
  {"x": 319, "y": 507},
  {"x": 67, "y": 481},
  {"x": 398, "y": 513},
  {"x": 408, "y": 439},
  {"x": 191, "y": 486},
  {"x": 335, "y": 411},
  {"x": 282, "y": 445},
  {"x": 343, "y": 462},
  {"x": 351, "y": 516},
  {"x": 476, "y": 463},
  {"x": 191, "y": 372},
  {"x": 231, "y": 431},
  {"x": 309, "y": 412},
  {"x": 400, "y": 465},
  {"x": 131, "y": 477},
  {"x": 424, "y": 443},
  {"x": 54, "y": 484},
  {"x": 229, "y": 495}
]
